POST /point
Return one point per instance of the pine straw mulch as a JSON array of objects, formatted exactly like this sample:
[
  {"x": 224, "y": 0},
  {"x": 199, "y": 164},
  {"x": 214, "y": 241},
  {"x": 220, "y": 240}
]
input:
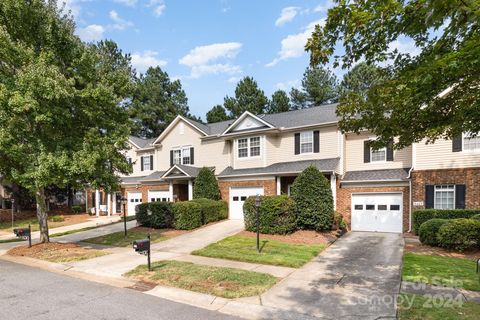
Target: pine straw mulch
[
  {"x": 56, "y": 252},
  {"x": 417, "y": 247},
  {"x": 298, "y": 237}
]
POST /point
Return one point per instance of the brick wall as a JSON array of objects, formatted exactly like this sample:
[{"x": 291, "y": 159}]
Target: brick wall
[
  {"x": 470, "y": 177},
  {"x": 269, "y": 186},
  {"x": 344, "y": 200}
]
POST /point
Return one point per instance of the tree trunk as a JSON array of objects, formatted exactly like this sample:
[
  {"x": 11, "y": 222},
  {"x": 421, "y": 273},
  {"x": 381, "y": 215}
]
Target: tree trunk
[
  {"x": 42, "y": 214},
  {"x": 70, "y": 197},
  {"x": 16, "y": 198}
]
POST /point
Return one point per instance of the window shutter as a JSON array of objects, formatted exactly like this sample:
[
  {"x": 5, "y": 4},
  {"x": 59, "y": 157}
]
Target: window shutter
[
  {"x": 191, "y": 156},
  {"x": 141, "y": 163},
  {"x": 390, "y": 151},
  {"x": 457, "y": 143},
  {"x": 297, "y": 143},
  {"x": 460, "y": 196},
  {"x": 151, "y": 162},
  {"x": 316, "y": 141},
  {"x": 171, "y": 158},
  {"x": 366, "y": 151},
  {"x": 429, "y": 196}
]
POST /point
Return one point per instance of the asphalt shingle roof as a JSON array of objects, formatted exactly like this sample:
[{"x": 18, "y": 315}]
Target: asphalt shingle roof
[
  {"x": 153, "y": 176},
  {"x": 284, "y": 167},
  {"x": 130, "y": 180},
  {"x": 141, "y": 142},
  {"x": 377, "y": 175}
]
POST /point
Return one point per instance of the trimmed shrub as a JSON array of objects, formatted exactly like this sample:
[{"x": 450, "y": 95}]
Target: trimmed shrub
[
  {"x": 206, "y": 185},
  {"x": 156, "y": 215},
  {"x": 428, "y": 231},
  {"x": 476, "y": 217},
  {"x": 313, "y": 200},
  {"x": 77, "y": 209},
  {"x": 459, "y": 234},
  {"x": 420, "y": 216},
  {"x": 188, "y": 215},
  {"x": 212, "y": 210},
  {"x": 276, "y": 215}
]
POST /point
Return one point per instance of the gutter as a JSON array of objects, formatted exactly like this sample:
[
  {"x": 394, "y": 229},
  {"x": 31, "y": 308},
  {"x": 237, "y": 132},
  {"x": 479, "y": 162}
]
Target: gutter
[
  {"x": 409, "y": 177},
  {"x": 269, "y": 173}
]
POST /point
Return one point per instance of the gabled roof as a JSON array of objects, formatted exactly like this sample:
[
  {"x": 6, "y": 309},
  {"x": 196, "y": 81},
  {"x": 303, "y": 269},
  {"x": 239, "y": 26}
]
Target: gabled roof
[
  {"x": 179, "y": 171},
  {"x": 203, "y": 129},
  {"x": 293, "y": 167},
  {"x": 141, "y": 143},
  {"x": 245, "y": 115},
  {"x": 383, "y": 175}
]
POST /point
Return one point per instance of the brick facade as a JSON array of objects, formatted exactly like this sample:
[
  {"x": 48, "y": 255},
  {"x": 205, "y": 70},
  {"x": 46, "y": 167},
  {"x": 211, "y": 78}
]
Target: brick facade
[
  {"x": 344, "y": 200},
  {"x": 269, "y": 186},
  {"x": 470, "y": 177}
]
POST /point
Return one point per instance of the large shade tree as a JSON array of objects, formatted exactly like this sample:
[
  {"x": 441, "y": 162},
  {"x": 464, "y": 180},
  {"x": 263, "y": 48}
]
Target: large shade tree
[
  {"x": 320, "y": 86},
  {"x": 248, "y": 97},
  {"x": 279, "y": 103},
  {"x": 359, "y": 80},
  {"x": 217, "y": 114},
  {"x": 429, "y": 95},
  {"x": 61, "y": 117}
]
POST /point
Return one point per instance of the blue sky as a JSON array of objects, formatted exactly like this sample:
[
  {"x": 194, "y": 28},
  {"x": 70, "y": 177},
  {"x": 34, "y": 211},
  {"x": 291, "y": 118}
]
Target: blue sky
[{"x": 209, "y": 45}]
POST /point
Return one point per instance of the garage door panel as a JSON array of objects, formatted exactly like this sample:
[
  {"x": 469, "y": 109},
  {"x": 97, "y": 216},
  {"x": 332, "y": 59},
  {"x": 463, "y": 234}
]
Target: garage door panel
[
  {"x": 377, "y": 212},
  {"x": 134, "y": 199},
  {"x": 157, "y": 196},
  {"x": 238, "y": 195}
]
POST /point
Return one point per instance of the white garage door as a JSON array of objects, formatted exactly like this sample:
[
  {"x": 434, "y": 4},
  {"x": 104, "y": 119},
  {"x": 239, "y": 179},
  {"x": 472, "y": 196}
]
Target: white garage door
[
  {"x": 380, "y": 212},
  {"x": 154, "y": 196},
  {"x": 134, "y": 199},
  {"x": 238, "y": 197}
]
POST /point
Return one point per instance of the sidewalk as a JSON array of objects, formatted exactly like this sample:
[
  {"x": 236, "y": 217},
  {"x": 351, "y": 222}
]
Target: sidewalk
[{"x": 446, "y": 292}]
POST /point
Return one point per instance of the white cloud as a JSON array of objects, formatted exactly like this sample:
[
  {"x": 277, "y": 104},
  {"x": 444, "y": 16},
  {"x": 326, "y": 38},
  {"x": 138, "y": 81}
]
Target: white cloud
[
  {"x": 129, "y": 3},
  {"x": 405, "y": 45},
  {"x": 233, "y": 79},
  {"x": 286, "y": 86},
  {"x": 141, "y": 61},
  {"x": 287, "y": 15},
  {"x": 324, "y": 6},
  {"x": 293, "y": 46},
  {"x": 73, "y": 6},
  {"x": 158, "y": 7},
  {"x": 203, "y": 60},
  {"x": 93, "y": 32},
  {"x": 119, "y": 23}
]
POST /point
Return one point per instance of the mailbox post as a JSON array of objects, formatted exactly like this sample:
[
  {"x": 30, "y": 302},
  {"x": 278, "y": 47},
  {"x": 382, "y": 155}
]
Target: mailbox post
[
  {"x": 124, "y": 201},
  {"x": 143, "y": 247},
  {"x": 257, "y": 212},
  {"x": 24, "y": 233},
  {"x": 13, "y": 209}
]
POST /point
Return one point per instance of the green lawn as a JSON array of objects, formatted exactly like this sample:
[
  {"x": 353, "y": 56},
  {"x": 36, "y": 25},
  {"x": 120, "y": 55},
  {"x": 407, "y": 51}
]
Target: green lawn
[
  {"x": 221, "y": 282},
  {"x": 54, "y": 221},
  {"x": 272, "y": 252},
  {"x": 446, "y": 271},
  {"x": 423, "y": 308},
  {"x": 117, "y": 239}
]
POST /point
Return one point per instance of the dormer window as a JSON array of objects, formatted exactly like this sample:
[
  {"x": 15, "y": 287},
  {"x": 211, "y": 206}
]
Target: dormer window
[{"x": 248, "y": 147}]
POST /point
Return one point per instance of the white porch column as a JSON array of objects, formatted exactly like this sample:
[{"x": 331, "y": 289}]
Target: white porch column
[
  {"x": 333, "y": 186},
  {"x": 97, "y": 202},
  {"x": 279, "y": 186},
  {"x": 170, "y": 190},
  {"x": 109, "y": 204},
  {"x": 114, "y": 203},
  {"x": 190, "y": 190}
]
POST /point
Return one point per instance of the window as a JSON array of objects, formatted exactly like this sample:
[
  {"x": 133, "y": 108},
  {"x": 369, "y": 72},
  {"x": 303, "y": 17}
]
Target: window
[
  {"x": 147, "y": 165},
  {"x": 471, "y": 143},
  {"x": 248, "y": 147},
  {"x": 444, "y": 197},
  {"x": 182, "y": 156},
  {"x": 177, "y": 156},
  {"x": 186, "y": 155},
  {"x": 370, "y": 207},
  {"x": 306, "y": 142},
  {"x": 394, "y": 207},
  {"x": 378, "y": 155},
  {"x": 358, "y": 207},
  {"x": 382, "y": 207}
]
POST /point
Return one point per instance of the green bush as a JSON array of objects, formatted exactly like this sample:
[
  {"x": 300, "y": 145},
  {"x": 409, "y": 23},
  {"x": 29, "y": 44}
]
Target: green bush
[
  {"x": 428, "y": 231},
  {"x": 206, "y": 185},
  {"x": 276, "y": 215},
  {"x": 212, "y": 210},
  {"x": 420, "y": 216},
  {"x": 313, "y": 200},
  {"x": 188, "y": 215},
  {"x": 476, "y": 217},
  {"x": 156, "y": 215},
  {"x": 77, "y": 209},
  {"x": 459, "y": 234}
]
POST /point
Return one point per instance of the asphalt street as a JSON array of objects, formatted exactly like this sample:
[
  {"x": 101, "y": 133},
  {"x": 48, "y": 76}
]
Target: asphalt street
[{"x": 29, "y": 293}]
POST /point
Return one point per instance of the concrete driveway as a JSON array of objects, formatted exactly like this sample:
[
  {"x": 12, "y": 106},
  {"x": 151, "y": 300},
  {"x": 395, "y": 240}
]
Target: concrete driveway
[{"x": 358, "y": 277}]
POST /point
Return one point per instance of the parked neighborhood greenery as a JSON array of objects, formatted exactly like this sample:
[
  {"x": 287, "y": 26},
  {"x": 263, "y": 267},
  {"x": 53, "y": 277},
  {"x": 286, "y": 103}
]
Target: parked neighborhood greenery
[
  {"x": 206, "y": 185},
  {"x": 188, "y": 215},
  {"x": 156, "y": 215},
  {"x": 428, "y": 231},
  {"x": 459, "y": 234},
  {"x": 420, "y": 216},
  {"x": 212, "y": 210},
  {"x": 313, "y": 200},
  {"x": 276, "y": 215}
]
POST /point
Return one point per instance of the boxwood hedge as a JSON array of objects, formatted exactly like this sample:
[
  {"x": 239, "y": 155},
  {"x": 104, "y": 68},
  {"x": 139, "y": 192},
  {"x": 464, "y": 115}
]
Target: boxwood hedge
[
  {"x": 188, "y": 215},
  {"x": 428, "y": 231},
  {"x": 420, "y": 216},
  {"x": 459, "y": 234},
  {"x": 212, "y": 210},
  {"x": 276, "y": 215},
  {"x": 156, "y": 215}
]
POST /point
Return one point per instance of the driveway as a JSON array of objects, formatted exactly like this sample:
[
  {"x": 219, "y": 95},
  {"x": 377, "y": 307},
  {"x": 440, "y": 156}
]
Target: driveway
[{"x": 358, "y": 277}]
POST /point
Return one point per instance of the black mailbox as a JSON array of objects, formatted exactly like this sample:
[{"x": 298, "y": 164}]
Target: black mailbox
[
  {"x": 141, "y": 245},
  {"x": 22, "y": 232}
]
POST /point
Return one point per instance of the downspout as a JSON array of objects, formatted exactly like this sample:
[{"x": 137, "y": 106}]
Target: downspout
[{"x": 410, "y": 200}]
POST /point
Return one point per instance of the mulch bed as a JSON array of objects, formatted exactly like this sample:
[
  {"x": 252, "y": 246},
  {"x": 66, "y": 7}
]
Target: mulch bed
[
  {"x": 436, "y": 251},
  {"x": 299, "y": 237},
  {"x": 52, "y": 251}
]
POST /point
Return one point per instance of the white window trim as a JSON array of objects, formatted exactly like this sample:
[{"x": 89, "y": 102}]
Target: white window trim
[
  {"x": 435, "y": 195},
  {"x": 465, "y": 135},
  {"x": 378, "y": 161},
  {"x": 151, "y": 164},
  {"x": 313, "y": 142},
  {"x": 249, "y": 157},
  {"x": 181, "y": 148}
]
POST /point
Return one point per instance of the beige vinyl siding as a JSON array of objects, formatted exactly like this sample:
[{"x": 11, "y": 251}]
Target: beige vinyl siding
[
  {"x": 281, "y": 148},
  {"x": 250, "y": 162},
  {"x": 354, "y": 145},
  {"x": 136, "y": 161},
  {"x": 213, "y": 153},
  {"x": 439, "y": 155}
]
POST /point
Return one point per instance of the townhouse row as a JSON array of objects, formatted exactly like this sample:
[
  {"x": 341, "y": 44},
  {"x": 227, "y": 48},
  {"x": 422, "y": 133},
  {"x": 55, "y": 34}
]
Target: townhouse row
[{"x": 375, "y": 190}]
